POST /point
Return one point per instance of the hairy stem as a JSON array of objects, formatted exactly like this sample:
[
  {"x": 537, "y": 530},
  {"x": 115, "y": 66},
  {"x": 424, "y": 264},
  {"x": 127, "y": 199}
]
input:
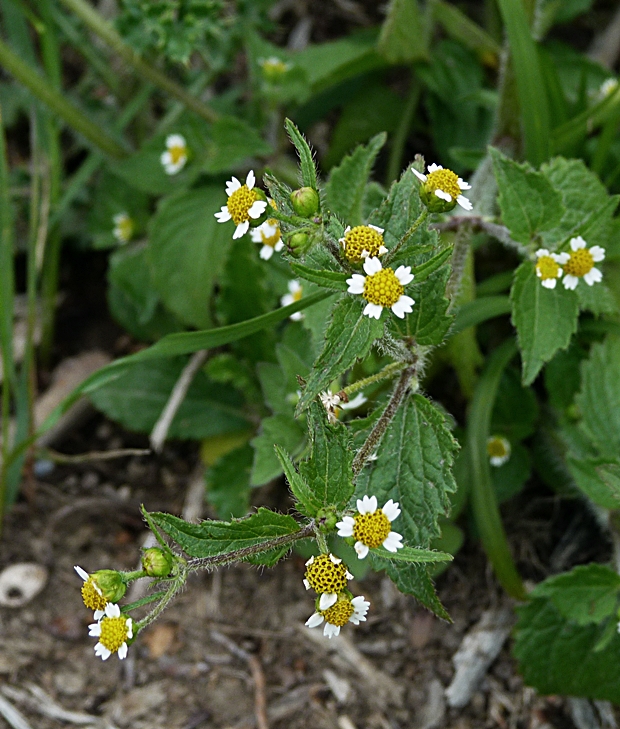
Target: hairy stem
[
  {"x": 162, "y": 604},
  {"x": 421, "y": 218},
  {"x": 388, "y": 371}
]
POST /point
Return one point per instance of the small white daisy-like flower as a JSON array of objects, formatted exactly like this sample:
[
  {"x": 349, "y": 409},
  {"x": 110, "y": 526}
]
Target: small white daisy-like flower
[
  {"x": 269, "y": 235},
  {"x": 361, "y": 242},
  {"x": 383, "y": 288},
  {"x": 608, "y": 87},
  {"x": 176, "y": 155},
  {"x": 341, "y": 612},
  {"x": 91, "y": 594},
  {"x": 371, "y": 527},
  {"x": 580, "y": 263},
  {"x": 273, "y": 67},
  {"x": 548, "y": 267},
  {"x": 441, "y": 189},
  {"x": 327, "y": 575},
  {"x": 113, "y": 631},
  {"x": 330, "y": 401},
  {"x": 244, "y": 204},
  {"x": 295, "y": 292},
  {"x": 498, "y": 450},
  {"x": 123, "y": 227}
]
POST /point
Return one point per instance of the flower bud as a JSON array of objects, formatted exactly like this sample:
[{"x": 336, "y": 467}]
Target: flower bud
[
  {"x": 433, "y": 203},
  {"x": 298, "y": 244},
  {"x": 111, "y": 584},
  {"x": 156, "y": 562},
  {"x": 326, "y": 519},
  {"x": 305, "y": 201}
]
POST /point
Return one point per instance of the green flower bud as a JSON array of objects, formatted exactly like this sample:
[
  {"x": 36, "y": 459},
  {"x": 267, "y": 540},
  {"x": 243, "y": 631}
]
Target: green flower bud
[
  {"x": 298, "y": 244},
  {"x": 156, "y": 562},
  {"x": 326, "y": 519},
  {"x": 111, "y": 584},
  {"x": 305, "y": 201},
  {"x": 433, "y": 203}
]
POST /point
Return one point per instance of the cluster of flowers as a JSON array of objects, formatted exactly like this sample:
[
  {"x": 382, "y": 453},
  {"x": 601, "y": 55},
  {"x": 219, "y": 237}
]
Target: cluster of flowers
[
  {"x": 327, "y": 575},
  {"x": 579, "y": 263}
]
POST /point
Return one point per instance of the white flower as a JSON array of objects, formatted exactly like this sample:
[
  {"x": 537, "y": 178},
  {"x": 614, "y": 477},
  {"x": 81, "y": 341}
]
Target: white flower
[
  {"x": 383, "y": 288},
  {"x": 340, "y": 613},
  {"x": 608, "y": 87},
  {"x": 269, "y": 235},
  {"x": 244, "y": 203},
  {"x": 327, "y": 575},
  {"x": 498, "y": 450},
  {"x": 295, "y": 293},
  {"x": 123, "y": 227},
  {"x": 371, "y": 527},
  {"x": 580, "y": 263},
  {"x": 548, "y": 267},
  {"x": 175, "y": 156},
  {"x": 113, "y": 631},
  {"x": 444, "y": 184}
]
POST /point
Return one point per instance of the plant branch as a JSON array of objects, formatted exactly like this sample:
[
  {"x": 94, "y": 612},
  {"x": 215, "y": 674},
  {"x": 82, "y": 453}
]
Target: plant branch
[
  {"x": 56, "y": 457},
  {"x": 387, "y": 371},
  {"x": 421, "y": 218},
  {"x": 499, "y": 232}
]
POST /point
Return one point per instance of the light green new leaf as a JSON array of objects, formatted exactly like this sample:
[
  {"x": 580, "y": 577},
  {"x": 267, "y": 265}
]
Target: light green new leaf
[
  {"x": 545, "y": 319},
  {"x": 414, "y": 467},
  {"x": 307, "y": 501},
  {"x": 328, "y": 469},
  {"x": 306, "y": 160},
  {"x": 188, "y": 248},
  {"x": 214, "y": 538},
  {"x": 349, "y": 337},
  {"x": 344, "y": 191},
  {"x": 282, "y": 430},
  {"x": 413, "y": 554},
  {"x": 404, "y": 37},
  {"x": 528, "y": 201}
]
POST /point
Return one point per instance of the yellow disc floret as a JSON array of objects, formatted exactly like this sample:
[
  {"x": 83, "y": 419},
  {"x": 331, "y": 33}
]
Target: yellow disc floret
[
  {"x": 359, "y": 239},
  {"x": 240, "y": 202},
  {"x": 445, "y": 180},
  {"x": 371, "y": 529},
  {"x": 92, "y": 596},
  {"x": 497, "y": 448},
  {"x": 114, "y": 632},
  {"x": 579, "y": 263},
  {"x": 383, "y": 288},
  {"x": 547, "y": 268},
  {"x": 177, "y": 153},
  {"x": 325, "y": 576},
  {"x": 271, "y": 240},
  {"x": 339, "y": 613}
]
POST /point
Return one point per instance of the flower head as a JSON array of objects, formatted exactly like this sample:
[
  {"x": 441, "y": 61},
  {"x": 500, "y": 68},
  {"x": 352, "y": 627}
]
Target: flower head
[
  {"x": 176, "y": 154},
  {"x": 498, "y": 450},
  {"x": 273, "y": 68},
  {"x": 441, "y": 190},
  {"x": 268, "y": 233},
  {"x": 547, "y": 267},
  {"x": 295, "y": 293},
  {"x": 579, "y": 263},
  {"x": 362, "y": 241},
  {"x": 327, "y": 575},
  {"x": 344, "y": 610},
  {"x": 371, "y": 527},
  {"x": 608, "y": 87},
  {"x": 113, "y": 631},
  {"x": 101, "y": 588},
  {"x": 383, "y": 288},
  {"x": 123, "y": 227},
  {"x": 245, "y": 204}
]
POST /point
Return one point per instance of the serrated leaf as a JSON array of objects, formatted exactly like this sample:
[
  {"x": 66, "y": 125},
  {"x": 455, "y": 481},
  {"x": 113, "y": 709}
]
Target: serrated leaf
[
  {"x": 214, "y": 538},
  {"x": 327, "y": 279},
  {"x": 528, "y": 201},
  {"x": 598, "y": 479},
  {"x": 306, "y": 160},
  {"x": 344, "y": 191},
  {"x": 545, "y": 319},
  {"x": 307, "y": 502},
  {"x": 349, "y": 337},
  {"x": 413, "y": 554},
  {"x": 282, "y": 430},
  {"x": 599, "y": 399},
  {"x": 228, "y": 483},
  {"x": 404, "y": 37},
  {"x": 597, "y": 298},
  {"x": 414, "y": 467},
  {"x": 328, "y": 469}
]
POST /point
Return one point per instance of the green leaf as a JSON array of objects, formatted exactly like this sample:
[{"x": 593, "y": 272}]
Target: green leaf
[
  {"x": 349, "y": 337},
  {"x": 599, "y": 479},
  {"x": 232, "y": 141},
  {"x": 510, "y": 478},
  {"x": 424, "y": 270},
  {"x": 307, "y": 503},
  {"x": 478, "y": 311},
  {"x": 282, "y": 430},
  {"x": 462, "y": 28},
  {"x": 214, "y": 538},
  {"x": 598, "y": 299},
  {"x": 306, "y": 159},
  {"x": 404, "y": 37},
  {"x": 414, "y": 467},
  {"x": 599, "y": 399},
  {"x": 184, "y": 232},
  {"x": 328, "y": 469},
  {"x": 413, "y": 554},
  {"x": 228, "y": 483},
  {"x": 428, "y": 322},
  {"x": 344, "y": 191},
  {"x": 515, "y": 410},
  {"x": 529, "y": 203},
  {"x": 327, "y": 279},
  {"x": 545, "y": 319},
  {"x": 137, "y": 397}
]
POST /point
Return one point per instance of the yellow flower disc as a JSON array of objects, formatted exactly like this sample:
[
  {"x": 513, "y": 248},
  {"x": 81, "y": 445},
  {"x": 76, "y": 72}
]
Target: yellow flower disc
[
  {"x": 93, "y": 599},
  {"x": 371, "y": 529},
  {"x": 339, "y": 613},
  {"x": 113, "y": 633},
  {"x": 383, "y": 288},
  {"x": 325, "y": 576},
  {"x": 547, "y": 268},
  {"x": 359, "y": 239},
  {"x": 579, "y": 263},
  {"x": 496, "y": 448},
  {"x": 240, "y": 202},
  {"x": 445, "y": 180},
  {"x": 177, "y": 154}
]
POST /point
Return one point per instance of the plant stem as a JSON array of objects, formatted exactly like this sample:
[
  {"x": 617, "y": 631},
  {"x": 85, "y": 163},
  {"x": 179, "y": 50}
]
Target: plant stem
[
  {"x": 42, "y": 89},
  {"x": 144, "y": 601},
  {"x": 387, "y": 371},
  {"x": 400, "y": 137},
  {"x": 162, "y": 604},
  {"x": 421, "y": 218},
  {"x": 99, "y": 25},
  {"x": 377, "y": 433}
]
